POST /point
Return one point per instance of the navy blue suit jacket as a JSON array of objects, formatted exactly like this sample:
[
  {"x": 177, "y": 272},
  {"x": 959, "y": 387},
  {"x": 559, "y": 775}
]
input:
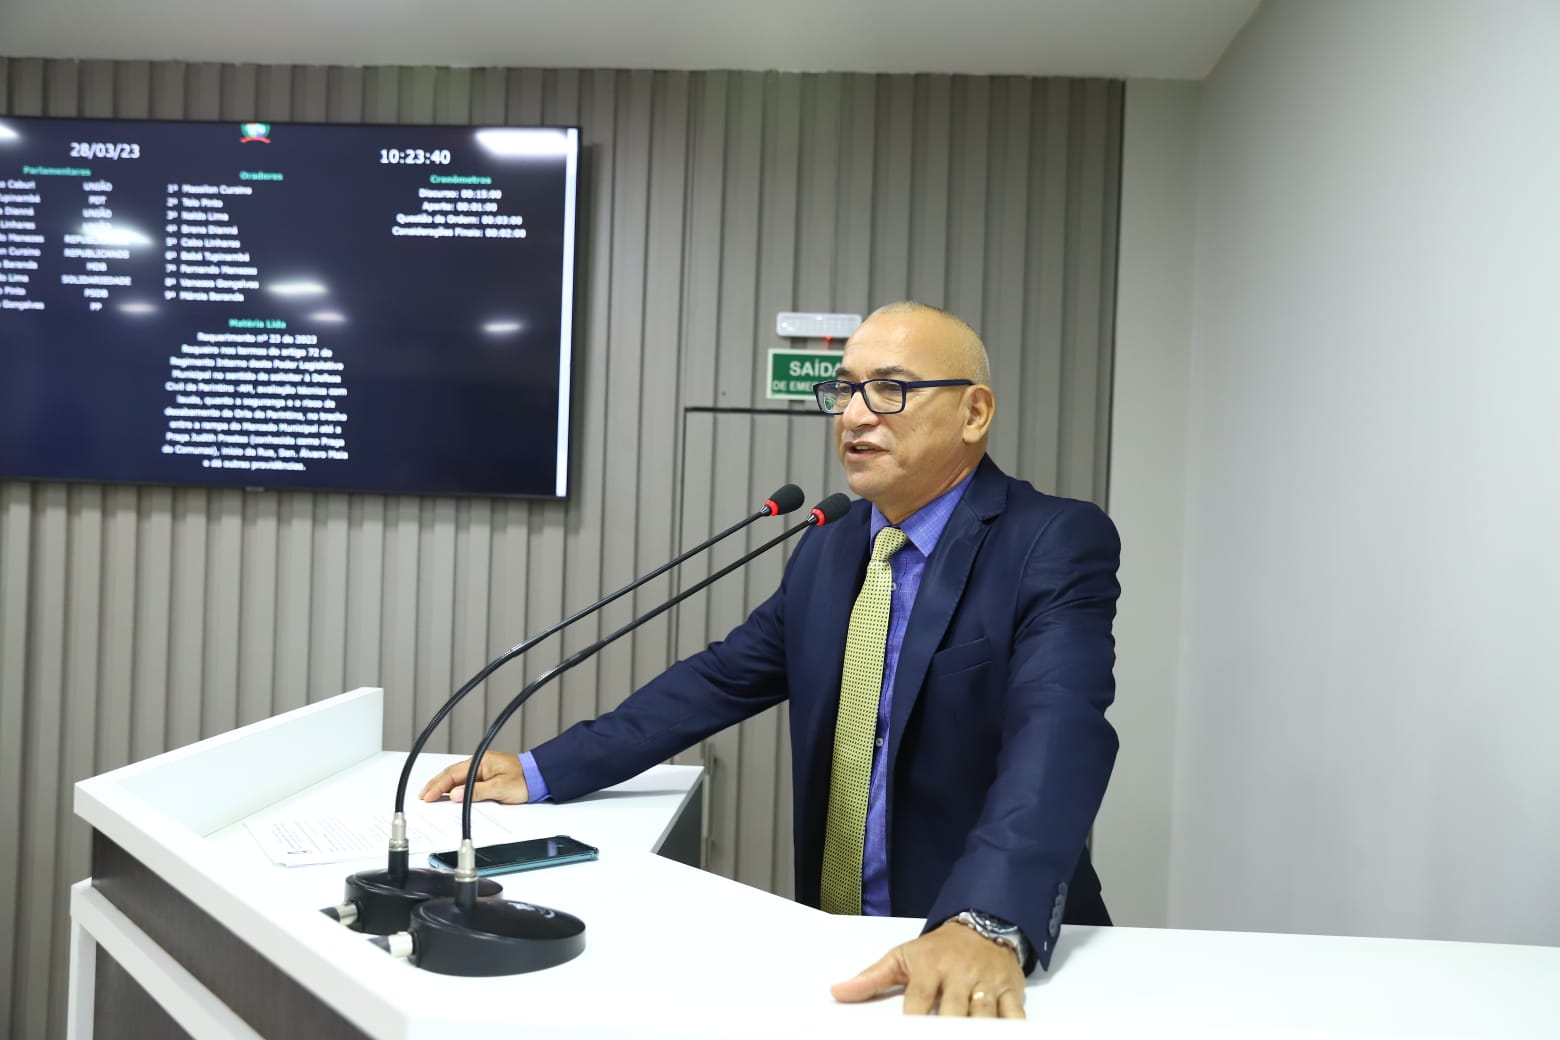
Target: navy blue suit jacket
[{"x": 998, "y": 747}]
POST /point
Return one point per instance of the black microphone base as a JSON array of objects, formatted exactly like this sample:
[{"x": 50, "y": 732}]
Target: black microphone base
[
  {"x": 385, "y": 905},
  {"x": 493, "y": 937}
]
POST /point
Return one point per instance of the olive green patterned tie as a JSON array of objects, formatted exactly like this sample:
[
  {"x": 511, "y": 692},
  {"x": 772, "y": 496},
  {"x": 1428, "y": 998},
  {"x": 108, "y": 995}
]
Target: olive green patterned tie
[{"x": 860, "y": 688}]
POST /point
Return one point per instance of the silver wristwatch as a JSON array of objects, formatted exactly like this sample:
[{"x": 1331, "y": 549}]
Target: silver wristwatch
[{"x": 997, "y": 930}]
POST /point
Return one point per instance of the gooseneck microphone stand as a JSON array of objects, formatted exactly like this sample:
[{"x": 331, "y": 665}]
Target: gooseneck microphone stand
[
  {"x": 476, "y": 935},
  {"x": 380, "y": 902}
]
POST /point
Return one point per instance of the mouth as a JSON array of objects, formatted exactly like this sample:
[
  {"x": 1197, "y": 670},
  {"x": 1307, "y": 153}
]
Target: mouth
[{"x": 861, "y": 450}]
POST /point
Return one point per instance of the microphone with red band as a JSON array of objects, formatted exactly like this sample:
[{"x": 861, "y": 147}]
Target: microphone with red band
[
  {"x": 830, "y": 509},
  {"x": 380, "y": 901},
  {"x": 475, "y": 935},
  {"x": 786, "y": 500}
]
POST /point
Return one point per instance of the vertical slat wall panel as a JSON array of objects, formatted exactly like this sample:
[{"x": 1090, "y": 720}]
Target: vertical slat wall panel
[
  {"x": 609, "y": 187},
  {"x": 1039, "y": 367},
  {"x": 745, "y": 170},
  {"x": 44, "y": 809},
  {"x": 702, "y": 290},
  {"x": 187, "y": 616},
  {"x": 16, "y": 527},
  {"x": 787, "y": 233},
  {"x": 621, "y": 469},
  {"x": 968, "y": 192},
  {"x": 135, "y": 619},
  {"x": 534, "y": 596},
  {"x": 116, "y": 637},
  {"x": 1007, "y": 218},
  {"x": 1080, "y": 364},
  {"x": 79, "y": 709},
  {"x": 663, "y": 339}
]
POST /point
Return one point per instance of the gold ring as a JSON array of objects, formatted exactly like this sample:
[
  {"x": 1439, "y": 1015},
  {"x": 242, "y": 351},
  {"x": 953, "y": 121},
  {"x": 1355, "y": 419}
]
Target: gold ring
[{"x": 979, "y": 994}]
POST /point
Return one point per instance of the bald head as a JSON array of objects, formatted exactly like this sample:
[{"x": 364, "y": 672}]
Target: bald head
[
  {"x": 901, "y": 460},
  {"x": 958, "y": 345}
]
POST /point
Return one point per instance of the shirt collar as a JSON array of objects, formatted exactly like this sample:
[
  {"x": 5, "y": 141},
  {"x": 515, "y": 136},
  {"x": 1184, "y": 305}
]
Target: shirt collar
[{"x": 925, "y": 526}]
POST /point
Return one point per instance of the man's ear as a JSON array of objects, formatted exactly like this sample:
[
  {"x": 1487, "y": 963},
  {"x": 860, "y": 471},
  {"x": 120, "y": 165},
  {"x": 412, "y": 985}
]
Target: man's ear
[{"x": 980, "y": 404}]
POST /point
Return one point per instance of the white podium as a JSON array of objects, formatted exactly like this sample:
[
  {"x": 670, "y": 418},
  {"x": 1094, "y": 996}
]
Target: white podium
[{"x": 187, "y": 929}]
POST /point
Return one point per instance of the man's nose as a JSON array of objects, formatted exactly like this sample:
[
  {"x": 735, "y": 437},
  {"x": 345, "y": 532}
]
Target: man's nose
[{"x": 857, "y": 413}]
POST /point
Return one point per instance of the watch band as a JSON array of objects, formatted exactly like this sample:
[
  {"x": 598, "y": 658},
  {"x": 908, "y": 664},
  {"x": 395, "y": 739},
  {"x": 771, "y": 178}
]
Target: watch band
[{"x": 997, "y": 930}]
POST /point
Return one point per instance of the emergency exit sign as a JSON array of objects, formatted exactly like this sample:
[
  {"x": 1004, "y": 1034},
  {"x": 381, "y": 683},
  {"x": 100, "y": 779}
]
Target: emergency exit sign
[{"x": 792, "y": 373}]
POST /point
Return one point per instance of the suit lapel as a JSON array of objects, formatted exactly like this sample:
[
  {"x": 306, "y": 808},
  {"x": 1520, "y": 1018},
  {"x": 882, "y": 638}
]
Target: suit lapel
[{"x": 942, "y": 586}]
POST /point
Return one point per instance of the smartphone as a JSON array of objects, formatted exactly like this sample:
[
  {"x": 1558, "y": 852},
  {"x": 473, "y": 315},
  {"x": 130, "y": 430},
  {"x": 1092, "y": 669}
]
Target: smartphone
[{"x": 531, "y": 854}]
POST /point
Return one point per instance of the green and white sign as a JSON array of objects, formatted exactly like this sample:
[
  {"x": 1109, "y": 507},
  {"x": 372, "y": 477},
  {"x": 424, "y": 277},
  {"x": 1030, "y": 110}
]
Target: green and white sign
[{"x": 792, "y": 373}]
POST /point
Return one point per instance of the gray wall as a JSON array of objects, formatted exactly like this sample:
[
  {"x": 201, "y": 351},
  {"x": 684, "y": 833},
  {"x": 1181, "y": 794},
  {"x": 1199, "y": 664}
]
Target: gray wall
[
  {"x": 1148, "y": 486},
  {"x": 1368, "y": 707},
  {"x": 136, "y": 619}
]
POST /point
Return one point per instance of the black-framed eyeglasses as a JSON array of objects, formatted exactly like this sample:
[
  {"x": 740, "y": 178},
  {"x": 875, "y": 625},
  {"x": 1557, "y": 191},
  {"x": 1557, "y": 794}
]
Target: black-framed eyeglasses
[{"x": 883, "y": 396}]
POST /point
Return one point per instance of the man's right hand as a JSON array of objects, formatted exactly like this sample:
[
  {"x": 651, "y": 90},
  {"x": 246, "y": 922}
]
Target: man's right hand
[{"x": 500, "y": 778}]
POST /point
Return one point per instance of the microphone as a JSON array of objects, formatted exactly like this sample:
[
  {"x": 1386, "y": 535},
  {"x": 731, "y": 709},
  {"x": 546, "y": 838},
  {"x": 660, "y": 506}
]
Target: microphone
[
  {"x": 474, "y": 935},
  {"x": 380, "y": 901}
]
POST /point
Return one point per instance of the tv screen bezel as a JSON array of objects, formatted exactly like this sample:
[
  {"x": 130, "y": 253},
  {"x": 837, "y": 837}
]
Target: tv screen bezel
[{"x": 568, "y": 316}]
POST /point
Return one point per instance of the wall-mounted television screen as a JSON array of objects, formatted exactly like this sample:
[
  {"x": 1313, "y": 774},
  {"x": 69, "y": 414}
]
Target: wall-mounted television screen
[{"x": 353, "y": 308}]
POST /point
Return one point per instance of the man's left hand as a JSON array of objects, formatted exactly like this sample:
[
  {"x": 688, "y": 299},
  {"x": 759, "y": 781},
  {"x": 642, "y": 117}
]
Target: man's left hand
[{"x": 951, "y": 969}]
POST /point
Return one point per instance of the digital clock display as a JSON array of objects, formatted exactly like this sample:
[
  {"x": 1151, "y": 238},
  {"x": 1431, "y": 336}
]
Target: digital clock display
[{"x": 415, "y": 156}]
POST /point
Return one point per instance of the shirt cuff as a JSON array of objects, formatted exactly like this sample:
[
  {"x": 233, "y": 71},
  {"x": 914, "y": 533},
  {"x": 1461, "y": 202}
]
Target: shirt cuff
[{"x": 535, "y": 786}]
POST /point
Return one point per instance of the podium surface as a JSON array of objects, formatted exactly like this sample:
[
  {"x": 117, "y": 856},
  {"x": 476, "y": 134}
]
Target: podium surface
[{"x": 188, "y": 928}]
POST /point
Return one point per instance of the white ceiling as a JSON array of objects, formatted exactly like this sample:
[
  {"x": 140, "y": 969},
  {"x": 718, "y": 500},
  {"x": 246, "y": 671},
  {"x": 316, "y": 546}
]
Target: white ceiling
[{"x": 1171, "y": 39}]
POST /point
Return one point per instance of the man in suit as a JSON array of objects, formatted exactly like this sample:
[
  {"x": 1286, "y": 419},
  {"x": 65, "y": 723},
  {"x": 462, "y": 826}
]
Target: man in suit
[{"x": 946, "y": 650}]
